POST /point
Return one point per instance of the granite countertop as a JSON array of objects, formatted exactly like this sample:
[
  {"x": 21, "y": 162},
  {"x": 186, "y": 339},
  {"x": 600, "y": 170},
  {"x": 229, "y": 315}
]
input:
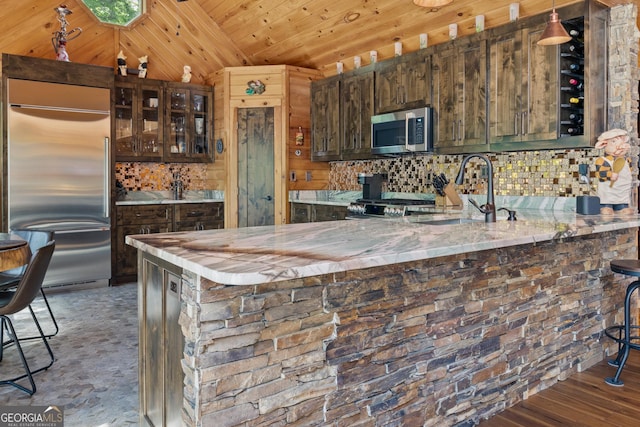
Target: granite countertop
[
  {"x": 166, "y": 197},
  {"x": 246, "y": 256}
]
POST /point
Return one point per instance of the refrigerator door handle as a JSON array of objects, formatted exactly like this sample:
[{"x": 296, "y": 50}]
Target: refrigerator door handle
[
  {"x": 107, "y": 178},
  {"x": 84, "y": 230}
]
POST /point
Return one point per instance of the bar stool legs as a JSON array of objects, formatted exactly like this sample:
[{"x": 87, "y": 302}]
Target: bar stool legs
[{"x": 622, "y": 333}]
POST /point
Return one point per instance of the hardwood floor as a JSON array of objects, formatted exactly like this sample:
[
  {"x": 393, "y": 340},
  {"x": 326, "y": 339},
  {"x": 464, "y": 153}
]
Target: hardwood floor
[{"x": 582, "y": 400}]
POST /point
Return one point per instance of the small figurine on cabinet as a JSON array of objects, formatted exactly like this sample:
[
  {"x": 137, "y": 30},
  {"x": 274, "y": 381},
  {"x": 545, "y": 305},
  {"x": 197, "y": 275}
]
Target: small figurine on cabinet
[
  {"x": 142, "y": 68},
  {"x": 186, "y": 74},
  {"x": 614, "y": 173},
  {"x": 122, "y": 64}
]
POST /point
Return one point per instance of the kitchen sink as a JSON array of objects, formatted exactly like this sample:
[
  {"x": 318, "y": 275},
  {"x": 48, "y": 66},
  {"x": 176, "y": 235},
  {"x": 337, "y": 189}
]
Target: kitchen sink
[{"x": 449, "y": 221}]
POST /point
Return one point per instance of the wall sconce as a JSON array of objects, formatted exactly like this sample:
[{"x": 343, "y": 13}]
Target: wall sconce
[
  {"x": 431, "y": 3},
  {"x": 554, "y": 33}
]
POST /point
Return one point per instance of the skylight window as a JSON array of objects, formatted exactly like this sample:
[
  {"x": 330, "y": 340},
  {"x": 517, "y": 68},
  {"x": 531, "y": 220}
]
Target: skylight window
[{"x": 116, "y": 12}]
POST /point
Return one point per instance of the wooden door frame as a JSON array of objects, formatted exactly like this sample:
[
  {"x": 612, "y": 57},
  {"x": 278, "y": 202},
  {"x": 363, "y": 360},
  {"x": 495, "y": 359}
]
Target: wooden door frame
[{"x": 280, "y": 160}]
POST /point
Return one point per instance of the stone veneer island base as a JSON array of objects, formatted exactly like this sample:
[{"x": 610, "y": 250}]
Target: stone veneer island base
[{"x": 446, "y": 340}]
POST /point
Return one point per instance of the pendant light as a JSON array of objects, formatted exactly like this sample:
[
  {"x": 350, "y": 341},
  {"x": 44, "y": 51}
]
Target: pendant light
[
  {"x": 431, "y": 3},
  {"x": 554, "y": 33}
]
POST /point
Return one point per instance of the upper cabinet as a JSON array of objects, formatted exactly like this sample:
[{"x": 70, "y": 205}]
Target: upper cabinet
[
  {"x": 138, "y": 119},
  {"x": 162, "y": 121},
  {"x": 497, "y": 90},
  {"x": 325, "y": 119},
  {"x": 189, "y": 121},
  {"x": 523, "y": 87},
  {"x": 357, "y": 108},
  {"x": 341, "y": 110},
  {"x": 459, "y": 95},
  {"x": 403, "y": 83},
  {"x": 549, "y": 96}
]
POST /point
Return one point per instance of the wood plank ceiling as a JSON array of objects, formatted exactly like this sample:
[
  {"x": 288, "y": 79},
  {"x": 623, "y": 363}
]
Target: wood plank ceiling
[{"x": 211, "y": 34}]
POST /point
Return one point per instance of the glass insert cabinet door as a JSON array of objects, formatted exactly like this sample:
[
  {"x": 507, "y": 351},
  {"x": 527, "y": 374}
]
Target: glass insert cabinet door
[
  {"x": 138, "y": 120},
  {"x": 124, "y": 120},
  {"x": 189, "y": 127},
  {"x": 179, "y": 110}
]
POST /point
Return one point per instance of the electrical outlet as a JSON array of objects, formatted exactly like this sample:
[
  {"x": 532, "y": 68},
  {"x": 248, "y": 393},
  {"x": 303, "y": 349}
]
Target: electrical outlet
[
  {"x": 484, "y": 172},
  {"x": 308, "y": 176}
]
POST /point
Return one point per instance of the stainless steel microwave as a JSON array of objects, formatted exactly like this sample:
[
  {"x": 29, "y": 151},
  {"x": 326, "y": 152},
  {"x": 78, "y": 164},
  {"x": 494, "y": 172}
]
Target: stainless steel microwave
[{"x": 400, "y": 132}]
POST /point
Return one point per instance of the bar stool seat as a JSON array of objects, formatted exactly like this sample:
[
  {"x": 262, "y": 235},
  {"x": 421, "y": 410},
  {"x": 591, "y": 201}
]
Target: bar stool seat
[{"x": 622, "y": 333}]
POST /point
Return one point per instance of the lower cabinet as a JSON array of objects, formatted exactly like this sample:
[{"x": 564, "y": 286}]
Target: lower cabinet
[
  {"x": 161, "y": 345},
  {"x": 136, "y": 219},
  {"x": 198, "y": 216},
  {"x": 157, "y": 218},
  {"x": 306, "y": 212}
]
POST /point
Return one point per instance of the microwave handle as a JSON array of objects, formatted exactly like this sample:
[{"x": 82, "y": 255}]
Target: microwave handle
[{"x": 408, "y": 117}]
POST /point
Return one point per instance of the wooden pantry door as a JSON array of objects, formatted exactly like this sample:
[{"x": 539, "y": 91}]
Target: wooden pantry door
[{"x": 256, "y": 189}]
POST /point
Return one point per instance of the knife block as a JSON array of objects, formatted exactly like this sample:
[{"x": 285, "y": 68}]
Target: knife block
[{"x": 450, "y": 198}]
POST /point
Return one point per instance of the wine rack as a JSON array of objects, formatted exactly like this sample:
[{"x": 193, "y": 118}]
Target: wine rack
[{"x": 572, "y": 80}]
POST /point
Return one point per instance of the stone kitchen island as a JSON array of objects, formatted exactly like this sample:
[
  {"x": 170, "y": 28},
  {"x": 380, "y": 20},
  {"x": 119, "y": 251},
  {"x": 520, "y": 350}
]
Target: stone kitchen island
[{"x": 373, "y": 322}]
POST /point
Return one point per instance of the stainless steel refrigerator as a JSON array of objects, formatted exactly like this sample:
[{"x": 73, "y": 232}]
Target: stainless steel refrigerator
[{"x": 58, "y": 174}]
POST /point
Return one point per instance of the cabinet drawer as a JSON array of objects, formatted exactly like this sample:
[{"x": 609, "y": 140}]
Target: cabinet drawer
[
  {"x": 329, "y": 213},
  {"x": 199, "y": 216},
  {"x": 144, "y": 214},
  {"x": 300, "y": 213}
]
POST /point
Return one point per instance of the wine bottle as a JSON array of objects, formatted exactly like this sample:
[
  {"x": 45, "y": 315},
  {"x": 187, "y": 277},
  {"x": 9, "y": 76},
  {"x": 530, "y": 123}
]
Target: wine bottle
[
  {"x": 577, "y": 35},
  {"x": 576, "y": 84},
  {"x": 576, "y": 101},
  {"x": 576, "y": 118},
  {"x": 577, "y": 130},
  {"x": 575, "y": 48},
  {"x": 575, "y": 67}
]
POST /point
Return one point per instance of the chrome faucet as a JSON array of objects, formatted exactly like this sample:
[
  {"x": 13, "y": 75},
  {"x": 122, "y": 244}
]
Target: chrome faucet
[{"x": 489, "y": 208}]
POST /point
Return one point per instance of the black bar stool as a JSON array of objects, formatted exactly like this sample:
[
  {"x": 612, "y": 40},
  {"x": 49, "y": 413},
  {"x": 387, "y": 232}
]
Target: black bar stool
[{"x": 622, "y": 333}]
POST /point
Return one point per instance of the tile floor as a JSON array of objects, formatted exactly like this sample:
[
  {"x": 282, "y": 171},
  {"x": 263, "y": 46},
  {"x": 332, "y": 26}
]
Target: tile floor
[{"x": 95, "y": 374}]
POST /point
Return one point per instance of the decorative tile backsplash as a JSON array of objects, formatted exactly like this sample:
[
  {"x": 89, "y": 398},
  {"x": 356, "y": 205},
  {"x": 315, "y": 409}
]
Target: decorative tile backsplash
[
  {"x": 143, "y": 176},
  {"x": 524, "y": 173}
]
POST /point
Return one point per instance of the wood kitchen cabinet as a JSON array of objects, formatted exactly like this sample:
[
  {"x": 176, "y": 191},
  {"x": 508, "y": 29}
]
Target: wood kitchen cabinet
[
  {"x": 138, "y": 119},
  {"x": 137, "y": 219},
  {"x": 198, "y": 216},
  {"x": 403, "y": 83},
  {"x": 307, "y": 212},
  {"x": 523, "y": 87},
  {"x": 495, "y": 91},
  {"x": 356, "y": 100},
  {"x": 459, "y": 95},
  {"x": 529, "y": 83},
  {"x": 158, "y": 218},
  {"x": 300, "y": 213},
  {"x": 158, "y": 121},
  {"x": 325, "y": 113},
  {"x": 188, "y": 122}
]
